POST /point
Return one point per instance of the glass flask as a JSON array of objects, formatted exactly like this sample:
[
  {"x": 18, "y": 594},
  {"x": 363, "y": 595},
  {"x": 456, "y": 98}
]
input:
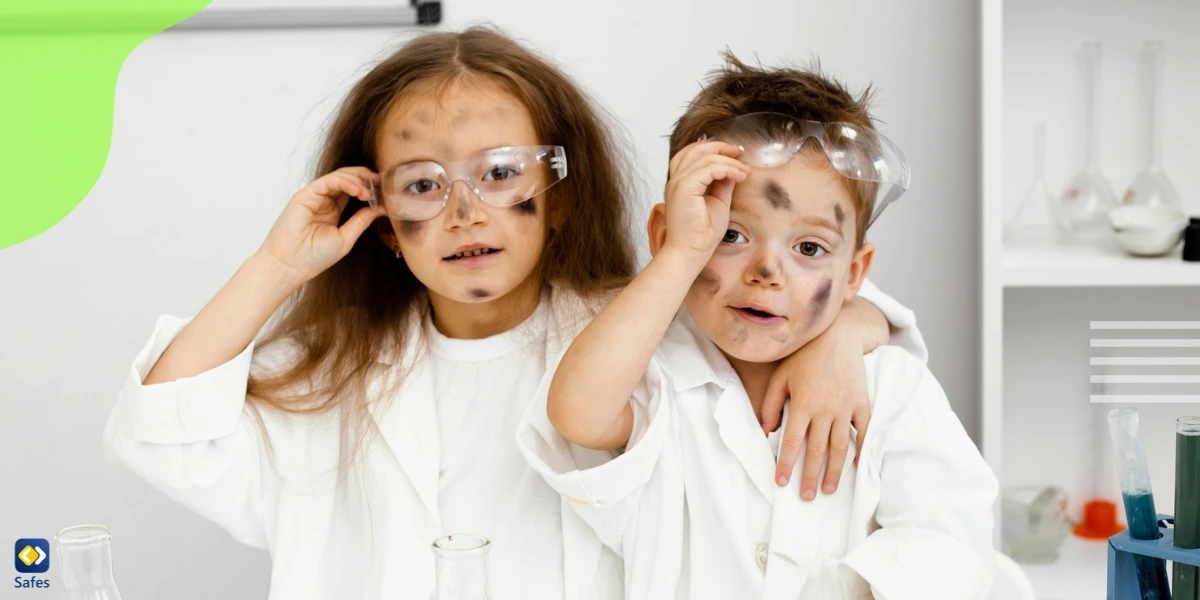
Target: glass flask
[
  {"x": 85, "y": 557},
  {"x": 1088, "y": 196},
  {"x": 1039, "y": 220},
  {"x": 461, "y": 567},
  {"x": 1152, "y": 187}
]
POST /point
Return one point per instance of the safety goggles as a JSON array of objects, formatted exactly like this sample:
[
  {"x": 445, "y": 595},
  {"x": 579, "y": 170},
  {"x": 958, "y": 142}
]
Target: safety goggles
[
  {"x": 771, "y": 139},
  {"x": 418, "y": 191}
]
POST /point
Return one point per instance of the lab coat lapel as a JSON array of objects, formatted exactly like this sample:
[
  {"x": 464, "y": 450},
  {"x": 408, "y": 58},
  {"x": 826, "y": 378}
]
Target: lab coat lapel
[
  {"x": 408, "y": 422},
  {"x": 742, "y": 434}
]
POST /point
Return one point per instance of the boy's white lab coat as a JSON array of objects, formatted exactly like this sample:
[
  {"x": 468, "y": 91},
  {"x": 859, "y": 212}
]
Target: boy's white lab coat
[
  {"x": 914, "y": 520},
  {"x": 197, "y": 441}
]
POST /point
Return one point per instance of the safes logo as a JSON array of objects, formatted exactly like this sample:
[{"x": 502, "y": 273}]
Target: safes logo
[{"x": 32, "y": 555}]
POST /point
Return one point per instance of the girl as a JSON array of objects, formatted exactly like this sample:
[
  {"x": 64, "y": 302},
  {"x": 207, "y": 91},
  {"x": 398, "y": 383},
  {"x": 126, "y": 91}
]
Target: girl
[{"x": 380, "y": 410}]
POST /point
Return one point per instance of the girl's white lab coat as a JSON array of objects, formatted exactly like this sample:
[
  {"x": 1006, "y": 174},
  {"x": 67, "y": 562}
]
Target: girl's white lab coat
[
  {"x": 692, "y": 508},
  {"x": 364, "y": 535}
]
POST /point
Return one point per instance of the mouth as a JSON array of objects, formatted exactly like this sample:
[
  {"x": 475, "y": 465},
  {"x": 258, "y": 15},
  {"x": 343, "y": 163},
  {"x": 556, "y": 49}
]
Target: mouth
[
  {"x": 757, "y": 314},
  {"x": 472, "y": 253}
]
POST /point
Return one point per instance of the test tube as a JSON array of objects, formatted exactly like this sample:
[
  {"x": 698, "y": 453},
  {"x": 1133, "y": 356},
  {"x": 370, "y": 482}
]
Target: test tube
[
  {"x": 1126, "y": 434},
  {"x": 1187, "y": 503}
]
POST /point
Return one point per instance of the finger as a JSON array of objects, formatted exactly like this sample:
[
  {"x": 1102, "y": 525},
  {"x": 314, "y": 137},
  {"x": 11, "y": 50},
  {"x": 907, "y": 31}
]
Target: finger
[
  {"x": 362, "y": 173},
  {"x": 839, "y": 444},
  {"x": 814, "y": 455},
  {"x": 696, "y": 178},
  {"x": 697, "y": 151},
  {"x": 357, "y": 181},
  {"x": 771, "y": 410},
  {"x": 354, "y": 227},
  {"x": 334, "y": 184},
  {"x": 722, "y": 191},
  {"x": 861, "y": 420},
  {"x": 789, "y": 449}
]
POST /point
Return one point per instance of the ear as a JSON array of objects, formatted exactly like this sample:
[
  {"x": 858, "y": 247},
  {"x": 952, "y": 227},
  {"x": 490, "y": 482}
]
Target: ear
[
  {"x": 385, "y": 231},
  {"x": 656, "y": 228},
  {"x": 859, "y": 269}
]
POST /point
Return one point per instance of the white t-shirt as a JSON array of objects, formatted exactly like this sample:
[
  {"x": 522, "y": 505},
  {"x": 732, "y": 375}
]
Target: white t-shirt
[{"x": 485, "y": 486}]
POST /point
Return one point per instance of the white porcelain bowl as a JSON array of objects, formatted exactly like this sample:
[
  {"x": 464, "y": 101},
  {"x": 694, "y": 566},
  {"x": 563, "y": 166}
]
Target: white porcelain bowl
[{"x": 1147, "y": 230}]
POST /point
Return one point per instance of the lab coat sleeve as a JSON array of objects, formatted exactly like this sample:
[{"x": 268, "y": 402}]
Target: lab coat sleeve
[
  {"x": 193, "y": 439},
  {"x": 935, "y": 494},
  {"x": 605, "y": 493},
  {"x": 902, "y": 319}
]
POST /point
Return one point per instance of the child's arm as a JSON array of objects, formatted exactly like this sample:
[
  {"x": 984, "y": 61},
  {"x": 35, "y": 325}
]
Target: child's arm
[{"x": 588, "y": 400}]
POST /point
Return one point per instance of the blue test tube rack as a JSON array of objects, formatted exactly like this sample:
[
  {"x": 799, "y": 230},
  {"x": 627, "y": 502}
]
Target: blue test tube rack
[{"x": 1122, "y": 580}]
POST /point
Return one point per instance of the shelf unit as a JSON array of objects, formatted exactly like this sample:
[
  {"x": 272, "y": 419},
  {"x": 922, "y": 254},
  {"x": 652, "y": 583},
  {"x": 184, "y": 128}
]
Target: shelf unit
[{"x": 1038, "y": 425}]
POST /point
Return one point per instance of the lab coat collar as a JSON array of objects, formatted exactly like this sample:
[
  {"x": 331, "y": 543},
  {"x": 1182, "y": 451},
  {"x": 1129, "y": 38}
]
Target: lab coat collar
[{"x": 694, "y": 358}]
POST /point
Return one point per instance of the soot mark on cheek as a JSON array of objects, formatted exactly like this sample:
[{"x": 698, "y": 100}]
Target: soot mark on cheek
[
  {"x": 526, "y": 209},
  {"x": 411, "y": 228},
  {"x": 821, "y": 299},
  {"x": 777, "y": 196},
  {"x": 708, "y": 282}
]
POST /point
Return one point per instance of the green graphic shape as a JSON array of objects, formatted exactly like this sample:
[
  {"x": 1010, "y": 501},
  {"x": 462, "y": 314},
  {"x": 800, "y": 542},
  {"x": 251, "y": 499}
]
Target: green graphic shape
[{"x": 59, "y": 61}]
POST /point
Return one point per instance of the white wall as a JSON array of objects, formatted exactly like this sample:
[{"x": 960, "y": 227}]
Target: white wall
[{"x": 214, "y": 131}]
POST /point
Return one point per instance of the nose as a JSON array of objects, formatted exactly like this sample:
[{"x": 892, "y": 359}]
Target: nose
[
  {"x": 462, "y": 208},
  {"x": 765, "y": 270}
]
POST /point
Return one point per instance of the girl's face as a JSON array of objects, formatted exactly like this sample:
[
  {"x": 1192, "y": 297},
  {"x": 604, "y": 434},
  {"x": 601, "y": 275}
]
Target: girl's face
[{"x": 444, "y": 252}]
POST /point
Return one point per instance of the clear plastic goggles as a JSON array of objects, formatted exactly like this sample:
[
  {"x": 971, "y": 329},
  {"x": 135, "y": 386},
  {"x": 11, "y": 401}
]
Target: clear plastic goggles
[
  {"x": 771, "y": 139},
  {"x": 418, "y": 191}
]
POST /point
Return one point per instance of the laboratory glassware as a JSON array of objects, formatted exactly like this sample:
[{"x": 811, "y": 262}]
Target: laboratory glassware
[
  {"x": 1088, "y": 196},
  {"x": 1126, "y": 432},
  {"x": 1152, "y": 187},
  {"x": 85, "y": 557},
  {"x": 1187, "y": 504},
  {"x": 461, "y": 563},
  {"x": 1039, "y": 220}
]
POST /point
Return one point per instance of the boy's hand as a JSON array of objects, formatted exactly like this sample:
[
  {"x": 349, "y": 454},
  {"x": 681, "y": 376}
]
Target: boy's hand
[
  {"x": 699, "y": 189},
  {"x": 827, "y": 383}
]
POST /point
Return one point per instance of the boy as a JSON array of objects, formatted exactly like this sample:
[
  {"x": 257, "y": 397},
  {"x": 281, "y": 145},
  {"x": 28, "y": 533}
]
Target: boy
[{"x": 761, "y": 239}]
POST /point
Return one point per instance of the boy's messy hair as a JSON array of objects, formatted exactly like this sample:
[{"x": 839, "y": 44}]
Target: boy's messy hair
[{"x": 737, "y": 89}]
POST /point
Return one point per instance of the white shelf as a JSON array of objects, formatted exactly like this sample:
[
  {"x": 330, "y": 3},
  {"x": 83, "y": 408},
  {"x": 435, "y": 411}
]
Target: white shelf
[
  {"x": 1080, "y": 573},
  {"x": 1073, "y": 266}
]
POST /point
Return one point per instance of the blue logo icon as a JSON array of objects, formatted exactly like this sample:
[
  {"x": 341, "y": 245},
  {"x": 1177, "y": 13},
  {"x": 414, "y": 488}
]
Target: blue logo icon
[{"x": 32, "y": 555}]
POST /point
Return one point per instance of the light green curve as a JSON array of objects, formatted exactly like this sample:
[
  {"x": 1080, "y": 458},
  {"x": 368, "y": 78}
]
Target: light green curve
[{"x": 59, "y": 61}]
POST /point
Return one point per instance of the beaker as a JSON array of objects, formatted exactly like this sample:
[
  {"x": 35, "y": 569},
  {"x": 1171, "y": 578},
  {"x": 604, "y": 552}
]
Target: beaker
[
  {"x": 1187, "y": 503},
  {"x": 1126, "y": 434},
  {"x": 1088, "y": 196},
  {"x": 1039, "y": 220},
  {"x": 1152, "y": 187},
  {"x": 461, "y": 567},
  {"x": 85, "y": 557}
]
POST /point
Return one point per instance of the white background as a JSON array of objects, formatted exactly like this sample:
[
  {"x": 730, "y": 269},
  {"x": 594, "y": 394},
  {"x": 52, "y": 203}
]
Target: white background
[{"x": 214, "y": 130}]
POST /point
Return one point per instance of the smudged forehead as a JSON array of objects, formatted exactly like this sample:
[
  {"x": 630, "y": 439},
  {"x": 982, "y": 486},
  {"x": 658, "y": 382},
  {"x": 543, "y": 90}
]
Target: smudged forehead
[
  {"x": 451, "y": 122},
  {"x": 788, "y": 193}
]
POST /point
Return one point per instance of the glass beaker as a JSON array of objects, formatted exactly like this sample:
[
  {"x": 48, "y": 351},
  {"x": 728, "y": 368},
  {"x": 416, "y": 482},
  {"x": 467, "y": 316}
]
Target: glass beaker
[
  {"x": 461, "y": 567},
  {"x": 1152, "y": 187},
  {"x": 1187, "y": 503},
  {"x": 1126, "y": 432},
  {"x": 1038, "y": 221},
  {"x": 1088, "y": 196},
  {"x": 85, "y": 557}
]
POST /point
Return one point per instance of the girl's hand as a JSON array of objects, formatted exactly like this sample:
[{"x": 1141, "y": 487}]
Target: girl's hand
[
  {"x": 306, "y": 238},
  {"x": 827, "y": 383},
  {"x": 699, "y": 189}
]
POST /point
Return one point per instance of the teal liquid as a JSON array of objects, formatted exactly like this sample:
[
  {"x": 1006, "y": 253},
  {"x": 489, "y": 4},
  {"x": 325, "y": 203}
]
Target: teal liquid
[
  {"x": 1187, "y": 511},
  {"x": 1143, "y": 525}
]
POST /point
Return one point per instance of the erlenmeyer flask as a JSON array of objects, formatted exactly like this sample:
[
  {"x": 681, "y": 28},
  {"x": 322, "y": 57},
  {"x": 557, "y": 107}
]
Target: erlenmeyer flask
[
  {"x": 1038, "y": 221},
  {"x": 1088, "y": 196},
  {"x": 85, "y": 556},
  {"x": 1152, "y": 187},
  {"x": 461, "y": 563}
]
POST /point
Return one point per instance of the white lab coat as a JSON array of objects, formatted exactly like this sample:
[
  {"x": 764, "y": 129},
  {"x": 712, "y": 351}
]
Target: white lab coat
[
  {"x": 687, "y": 504},
  {"x": 367, "y": 534}
]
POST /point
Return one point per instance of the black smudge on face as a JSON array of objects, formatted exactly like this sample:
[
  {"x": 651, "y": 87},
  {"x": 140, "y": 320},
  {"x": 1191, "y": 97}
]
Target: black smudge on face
[
  {"x": 462, "y": 212},
  {"x": 710, "y": 283},
  {"x": 777, "y": 196},
  {"x": 526, "y": 208},
  {"x": 478, "y": 293},
  {"x": 411, "y": 228},
  {"x": 840, "y": 214},
  {"x": 762, "y": 272},
  {"x": 821, "y": 299}
]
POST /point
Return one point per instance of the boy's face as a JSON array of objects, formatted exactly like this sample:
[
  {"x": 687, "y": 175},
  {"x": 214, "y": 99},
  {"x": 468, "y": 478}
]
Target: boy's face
[{"x": 781, "y": 274}]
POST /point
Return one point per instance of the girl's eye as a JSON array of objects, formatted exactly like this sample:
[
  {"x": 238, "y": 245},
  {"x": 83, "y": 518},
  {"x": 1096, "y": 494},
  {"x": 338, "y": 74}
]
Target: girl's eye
[
  {"x": 422, "y": 186},
  {"x": 733, "y": 237},
  {"x": 809, "y": 249},
  {"x": 499, "y": 173}
]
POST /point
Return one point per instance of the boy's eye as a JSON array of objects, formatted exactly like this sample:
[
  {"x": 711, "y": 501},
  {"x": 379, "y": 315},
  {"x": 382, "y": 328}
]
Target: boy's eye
[
  {"x": 422, "y": 186},
  {"x": 809, "y": 249},
  {"x": 499, "y": 173},
  {"x": 733, "y": 237}
]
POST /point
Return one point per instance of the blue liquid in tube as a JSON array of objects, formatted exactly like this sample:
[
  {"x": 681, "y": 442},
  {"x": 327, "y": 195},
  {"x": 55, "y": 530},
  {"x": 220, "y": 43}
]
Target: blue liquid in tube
[{"x": 1143, "y": 525}]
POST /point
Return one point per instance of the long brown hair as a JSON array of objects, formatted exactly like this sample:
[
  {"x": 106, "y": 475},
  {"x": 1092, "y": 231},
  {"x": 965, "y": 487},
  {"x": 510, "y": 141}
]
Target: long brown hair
[{"x": 366, "y": 304}]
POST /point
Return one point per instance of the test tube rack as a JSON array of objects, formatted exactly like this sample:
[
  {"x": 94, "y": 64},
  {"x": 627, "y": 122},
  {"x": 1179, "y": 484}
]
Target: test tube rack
[{"x": 1122, "y": 580}]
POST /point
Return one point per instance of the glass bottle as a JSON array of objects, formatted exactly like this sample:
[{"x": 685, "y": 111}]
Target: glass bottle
[
  {"x": 461, "y": 567},
  {"x": 85, "y": 557},
  {"x": 1088, "y": 196},
  {"x": 1037, "y": 221},
  {"x": 1152, "y": 187},
  {"x": 1126, "y": 432}
]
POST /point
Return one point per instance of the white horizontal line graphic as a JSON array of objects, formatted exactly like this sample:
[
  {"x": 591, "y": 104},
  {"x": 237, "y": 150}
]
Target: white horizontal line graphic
[
  {"x": 1145, "y": 378},
  {"x": 1144, "y": 398},
  {"x": 1145, "y": 324},
  {"x": 1146, "y": 361},
  {"x": 1161, "y": 343}
]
